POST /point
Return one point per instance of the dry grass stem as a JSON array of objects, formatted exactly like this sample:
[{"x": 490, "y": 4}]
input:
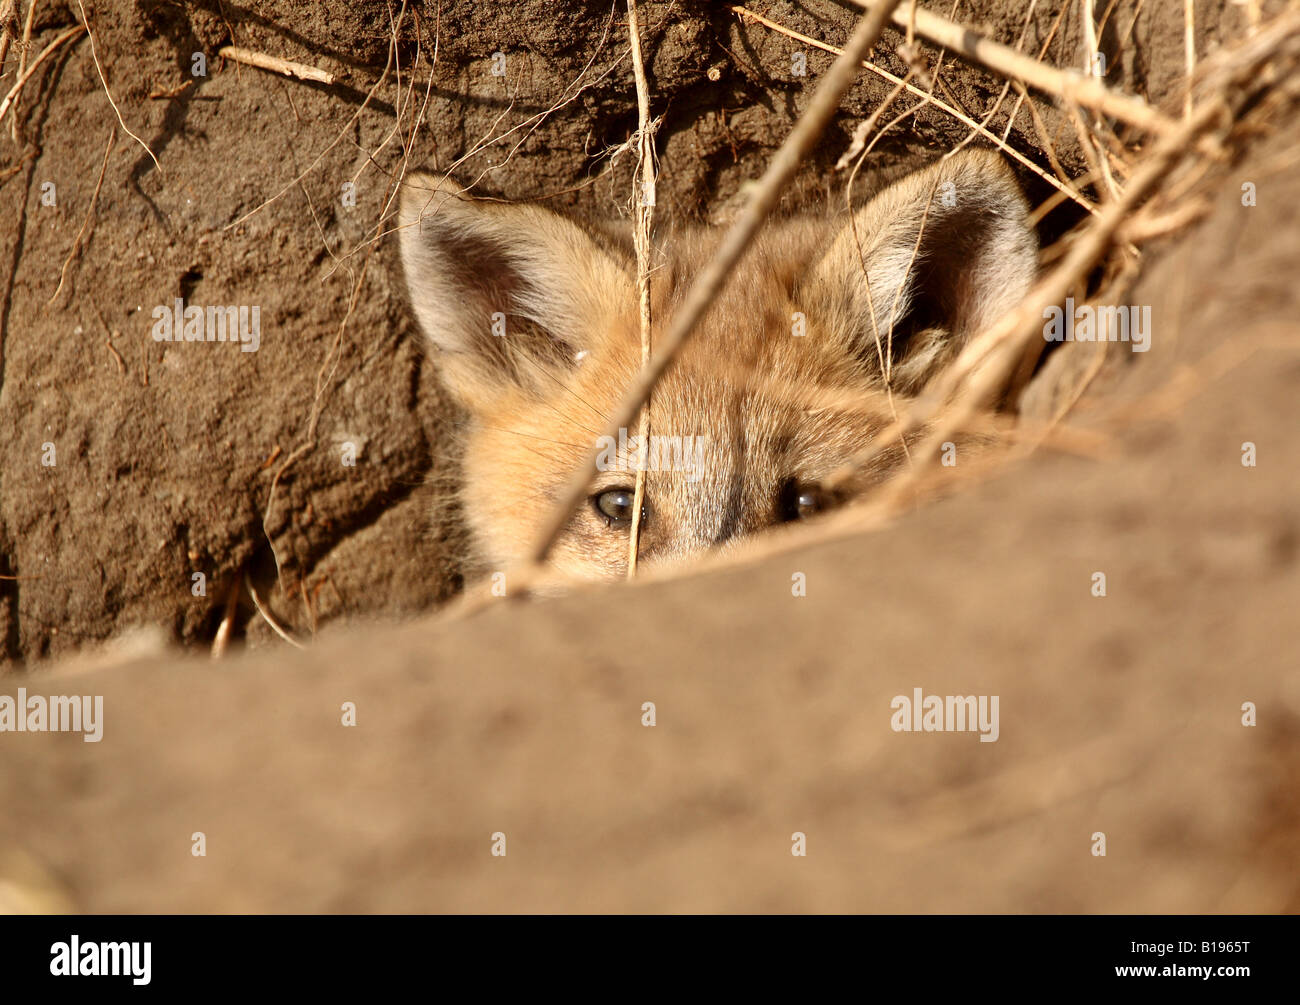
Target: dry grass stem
[
  {"x": 94, "y": 54},
  {"x": 26, "y": 74},
  {"x": 222, "y": 639},
  {"x": 643, "y": 199},
  {"x": 275, "y": 627},
  {"x": 90, "y": 212},
  {"x": 24, "y": 50},
  {"x": 7, "y": 21},
  {"x": 347, "y": 127}
]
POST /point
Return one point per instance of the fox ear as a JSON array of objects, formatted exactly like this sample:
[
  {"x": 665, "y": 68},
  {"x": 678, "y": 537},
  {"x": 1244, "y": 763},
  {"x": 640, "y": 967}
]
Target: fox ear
[
  {"x": 505, "y": 292},
  {"x": 925, "y": 266}
]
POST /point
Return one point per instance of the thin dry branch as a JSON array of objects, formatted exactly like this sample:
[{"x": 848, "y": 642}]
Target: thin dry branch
[
  {"x": 1089, "y": 141},
  {"x": 224, "y": 630},
  {"x": 534, "y": 122},
  {"x": 1042, "y": 54},
  {"x": 275, "y": 64},
  {"x": 329, "y": 366},
  {"x": 1006, "y": 88},
  {"x": 347, "y": 126},
  {"x": 858, "y": 147},
  {"x": 24, "y": 50},
  {"x": 7, "y": 21},
  {"x": 121, "y": 366}
]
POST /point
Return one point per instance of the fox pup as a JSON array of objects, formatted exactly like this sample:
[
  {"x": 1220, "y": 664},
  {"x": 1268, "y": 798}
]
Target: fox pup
[{"x": 536, "y": 327}]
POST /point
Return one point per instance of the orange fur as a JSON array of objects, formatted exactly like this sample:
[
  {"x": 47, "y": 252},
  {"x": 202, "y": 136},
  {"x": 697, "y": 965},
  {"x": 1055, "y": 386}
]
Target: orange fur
[{"x": 880, "y": 310}]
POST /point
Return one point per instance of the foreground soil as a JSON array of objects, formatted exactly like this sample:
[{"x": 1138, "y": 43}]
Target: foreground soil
[{"x": 1120, "y": 715}]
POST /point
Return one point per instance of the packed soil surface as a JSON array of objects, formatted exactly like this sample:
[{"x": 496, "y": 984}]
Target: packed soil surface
[{"x": 130, "y": 466}]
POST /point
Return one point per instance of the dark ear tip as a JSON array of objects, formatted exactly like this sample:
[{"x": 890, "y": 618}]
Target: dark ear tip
[
  {"x": 989, "y": 163},
  {"x": 422, "y": 192},
  {"x": 432, "y": 180},
  {"x": 989, "y": 173}
]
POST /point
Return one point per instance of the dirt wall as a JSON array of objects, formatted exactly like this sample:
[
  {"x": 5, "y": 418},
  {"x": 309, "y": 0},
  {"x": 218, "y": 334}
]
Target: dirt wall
[{"x": 167, "y": 461}]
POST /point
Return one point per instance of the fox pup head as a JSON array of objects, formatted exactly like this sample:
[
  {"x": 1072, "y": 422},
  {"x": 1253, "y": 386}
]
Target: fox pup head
[{"x": 537, "y": 330}]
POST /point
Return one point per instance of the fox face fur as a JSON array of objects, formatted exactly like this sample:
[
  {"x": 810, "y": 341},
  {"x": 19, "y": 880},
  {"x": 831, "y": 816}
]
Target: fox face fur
[{"x": 536, "y": 327}]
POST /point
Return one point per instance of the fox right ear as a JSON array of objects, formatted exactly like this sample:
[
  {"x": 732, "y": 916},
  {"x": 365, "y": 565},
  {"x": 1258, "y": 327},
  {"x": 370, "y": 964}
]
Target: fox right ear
[
  {"x": 504, "y": 291},
  {"x": 926, "y": 265}
]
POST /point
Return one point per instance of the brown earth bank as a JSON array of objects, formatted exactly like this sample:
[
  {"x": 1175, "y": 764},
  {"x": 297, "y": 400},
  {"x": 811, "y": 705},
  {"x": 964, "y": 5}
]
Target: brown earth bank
[
  {"x": 1120, "y": 715},
  {"x": 177, "y": 461}
]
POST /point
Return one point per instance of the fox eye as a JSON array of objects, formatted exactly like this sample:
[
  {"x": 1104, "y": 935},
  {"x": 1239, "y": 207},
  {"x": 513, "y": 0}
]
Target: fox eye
[
  {"x": 800, "y": 500},
  {"x": 615, "y": 507}
]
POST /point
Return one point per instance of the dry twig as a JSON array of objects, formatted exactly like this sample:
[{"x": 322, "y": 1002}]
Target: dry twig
[
  {"x": 24, "y": 50},
  {"x": 222, "y": 639},
  {"x": 275, "y": 64},
  {"x": 275, "y": 627}
]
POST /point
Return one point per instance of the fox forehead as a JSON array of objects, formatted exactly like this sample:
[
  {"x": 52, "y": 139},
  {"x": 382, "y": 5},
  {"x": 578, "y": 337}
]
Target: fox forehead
[
  {"x": 756, "y": 351},
  {"x": 750, "y": 372},
  {"x": 747, "y": 407}
]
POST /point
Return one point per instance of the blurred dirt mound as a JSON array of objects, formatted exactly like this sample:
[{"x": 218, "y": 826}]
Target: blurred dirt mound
[{"x": 1120, "y": 715}]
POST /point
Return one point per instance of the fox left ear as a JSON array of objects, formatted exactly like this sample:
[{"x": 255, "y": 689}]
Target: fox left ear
[
  {"x": 924, "y": 266},
  {"x": 506, "y": 292}
]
